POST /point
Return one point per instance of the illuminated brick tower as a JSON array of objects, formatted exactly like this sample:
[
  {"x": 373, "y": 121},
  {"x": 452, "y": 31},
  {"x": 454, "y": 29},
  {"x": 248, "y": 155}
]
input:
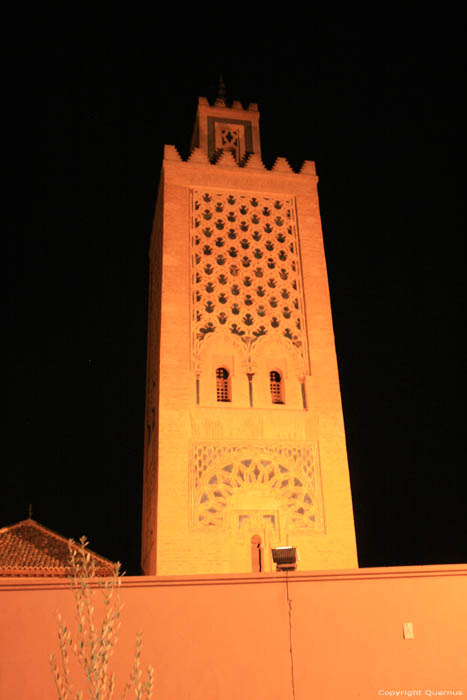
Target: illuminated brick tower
[{"x": 244, "y": 429}]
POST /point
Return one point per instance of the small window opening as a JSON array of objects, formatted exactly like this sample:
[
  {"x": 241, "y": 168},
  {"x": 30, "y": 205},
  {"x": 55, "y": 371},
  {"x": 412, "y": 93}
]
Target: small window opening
[
  {"x": 257, "y": 564},
  {"x": 222, "y": 384},
  {"x": 275, "y": 383}
]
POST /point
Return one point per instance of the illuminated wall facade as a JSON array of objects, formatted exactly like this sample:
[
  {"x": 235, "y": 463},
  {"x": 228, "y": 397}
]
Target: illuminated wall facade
[
  {"x": 244, "y": 426},
  {"x": 326, "y": 635}
]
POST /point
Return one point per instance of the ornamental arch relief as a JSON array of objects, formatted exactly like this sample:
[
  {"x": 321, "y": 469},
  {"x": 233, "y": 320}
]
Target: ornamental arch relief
[
  {"x": 221, "y": 349},
  {"x": 234, "y": 484}
]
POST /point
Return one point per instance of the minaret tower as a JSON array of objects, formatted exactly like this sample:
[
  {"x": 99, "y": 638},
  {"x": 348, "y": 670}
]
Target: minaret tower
[{"x": 244, "y": 442}]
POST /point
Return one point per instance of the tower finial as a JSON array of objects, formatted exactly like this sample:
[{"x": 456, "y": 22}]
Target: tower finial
[
  {"x": 221, "y": 92},
  {"x": 30, "y": 511}
]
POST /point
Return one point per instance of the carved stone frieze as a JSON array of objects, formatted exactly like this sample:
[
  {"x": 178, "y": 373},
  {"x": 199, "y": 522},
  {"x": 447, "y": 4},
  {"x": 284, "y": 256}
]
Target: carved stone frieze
[{"x": 242, "y": 477}]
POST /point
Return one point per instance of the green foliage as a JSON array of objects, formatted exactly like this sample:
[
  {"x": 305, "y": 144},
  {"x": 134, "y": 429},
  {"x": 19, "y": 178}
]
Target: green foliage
[{"x": 94, "y": 642}]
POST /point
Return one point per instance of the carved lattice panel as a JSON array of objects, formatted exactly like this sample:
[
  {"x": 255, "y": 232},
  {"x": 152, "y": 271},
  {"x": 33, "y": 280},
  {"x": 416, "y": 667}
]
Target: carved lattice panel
[
  {"x": 246, "y": 275},
  {"x": 230, "y": 140},
  {"x": 289, "y": 475},
  {"x": 261, "y": 521}
]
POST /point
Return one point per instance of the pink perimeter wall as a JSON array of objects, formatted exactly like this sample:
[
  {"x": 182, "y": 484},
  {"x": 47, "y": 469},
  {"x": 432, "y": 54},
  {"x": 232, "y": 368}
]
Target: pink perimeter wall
[{"x": 323, "y": 635}]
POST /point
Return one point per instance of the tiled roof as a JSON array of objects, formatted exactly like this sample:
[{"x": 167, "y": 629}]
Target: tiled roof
[{"x": 30, "y": 549}]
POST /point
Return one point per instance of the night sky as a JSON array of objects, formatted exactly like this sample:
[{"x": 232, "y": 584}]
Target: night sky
[{"x": 377, "y": 105}]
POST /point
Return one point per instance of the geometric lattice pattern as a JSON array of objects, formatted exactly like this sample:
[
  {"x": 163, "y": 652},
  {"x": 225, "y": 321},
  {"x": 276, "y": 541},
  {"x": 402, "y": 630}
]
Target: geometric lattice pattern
[
  {"x": 288, "y": 474},
  {"x": 245, "y": 267},
  {"x": 230, "y": 140}
]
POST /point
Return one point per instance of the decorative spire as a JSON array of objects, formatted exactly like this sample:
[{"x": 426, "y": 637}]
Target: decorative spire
[{"x": 221, "y": 92}]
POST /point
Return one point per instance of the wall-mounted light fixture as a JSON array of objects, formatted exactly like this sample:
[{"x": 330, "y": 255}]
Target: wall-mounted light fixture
[{"x": 285, "y": 558}]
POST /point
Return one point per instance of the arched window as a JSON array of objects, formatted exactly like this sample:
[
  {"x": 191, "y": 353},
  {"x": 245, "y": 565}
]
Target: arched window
[
  {"x": 275, "y": 384},
  {"x": 223, "y": 384}
]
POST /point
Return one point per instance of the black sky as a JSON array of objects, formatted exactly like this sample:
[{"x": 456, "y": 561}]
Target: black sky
[{"x": 377, "y": 105}]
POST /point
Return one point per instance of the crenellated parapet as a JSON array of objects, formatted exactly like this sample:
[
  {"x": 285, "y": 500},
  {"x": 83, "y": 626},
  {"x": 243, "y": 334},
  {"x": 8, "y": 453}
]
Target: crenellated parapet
[
  {"x": 221, "y": 104},
  {"x": 250, "y": 161}
]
